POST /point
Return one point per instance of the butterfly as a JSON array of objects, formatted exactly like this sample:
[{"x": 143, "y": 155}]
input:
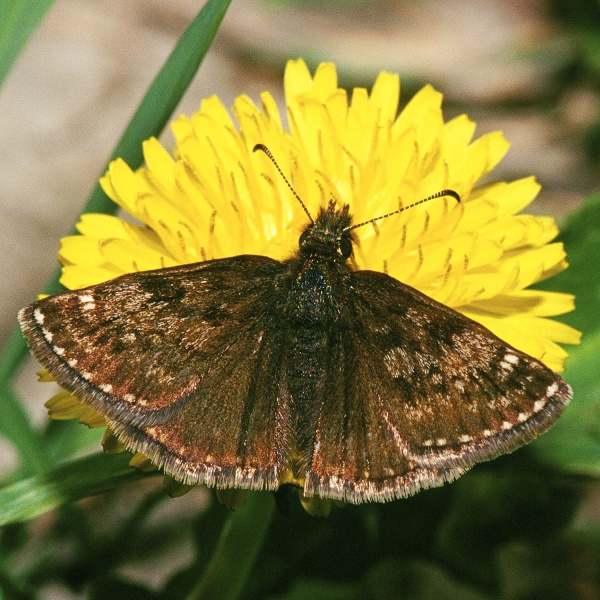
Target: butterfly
[{"x": 244, "y": 371}]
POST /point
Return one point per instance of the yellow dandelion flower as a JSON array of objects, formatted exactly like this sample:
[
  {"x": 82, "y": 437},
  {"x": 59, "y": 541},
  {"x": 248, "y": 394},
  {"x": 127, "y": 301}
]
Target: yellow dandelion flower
[{"x": 215, "y": 198}]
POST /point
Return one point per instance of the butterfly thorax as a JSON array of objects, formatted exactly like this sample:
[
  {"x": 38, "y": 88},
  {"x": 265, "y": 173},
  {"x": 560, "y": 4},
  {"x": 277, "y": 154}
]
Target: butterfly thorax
[
  {"x": 317, "y": 278},
  {"x": 315, "y": 295}
]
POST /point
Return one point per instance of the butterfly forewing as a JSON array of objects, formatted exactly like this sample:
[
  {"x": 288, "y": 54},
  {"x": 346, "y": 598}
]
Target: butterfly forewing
[
  {"x": 182, "y": 361},
  {"x": 422, "y": 394},
  {"x": 232, "y": 432}
]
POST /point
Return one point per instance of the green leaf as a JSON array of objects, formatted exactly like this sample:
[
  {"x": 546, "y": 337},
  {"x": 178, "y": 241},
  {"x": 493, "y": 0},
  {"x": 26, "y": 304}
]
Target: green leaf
[
  {"x": 581, "y": 237},
  {"x": 37, "y": 495},
  {"x": 418, "y": 580},
  {"x": 496, "y": 504},
  {"x": 562, "y": 567},
  {"x": 18, "y": 20},
  {"x": 391, "y": 578},
  {"x": 590, "y": 49},
  {"x": 308, "y": 589},
  {"x": 589, "y": 534},
  {"x": 239, "y": 543},
  {"x": 573, "y": 444},
  {"x": 117, "y": 588}
]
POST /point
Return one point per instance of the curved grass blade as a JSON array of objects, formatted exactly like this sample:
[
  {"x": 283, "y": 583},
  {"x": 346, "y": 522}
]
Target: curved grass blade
[
  {"x": 239, "y": 544},
  {"x": 164, "y": 94},
  {"x": 34, "y": 496}
]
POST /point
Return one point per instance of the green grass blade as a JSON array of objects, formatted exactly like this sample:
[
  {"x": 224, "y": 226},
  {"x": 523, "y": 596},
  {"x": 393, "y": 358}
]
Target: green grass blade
[
  {"x": 239, "y": 544},
  {"x": 15, "y": 424},
  {"x": 18, "y": 20},
  {"x": 34, "y": 496}
]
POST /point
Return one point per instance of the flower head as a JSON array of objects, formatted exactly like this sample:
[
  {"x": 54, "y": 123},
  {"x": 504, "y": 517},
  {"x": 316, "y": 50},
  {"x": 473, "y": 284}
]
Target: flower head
[{"x": 216, "y": 198}]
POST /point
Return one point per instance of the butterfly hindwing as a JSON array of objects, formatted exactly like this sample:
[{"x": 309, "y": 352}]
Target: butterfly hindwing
[{"x": 358, "y": 455}]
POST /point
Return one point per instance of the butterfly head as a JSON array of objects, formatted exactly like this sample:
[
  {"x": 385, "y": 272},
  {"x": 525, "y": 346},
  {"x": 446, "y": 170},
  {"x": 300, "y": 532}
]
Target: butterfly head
[{"x": 329, "y": 235}]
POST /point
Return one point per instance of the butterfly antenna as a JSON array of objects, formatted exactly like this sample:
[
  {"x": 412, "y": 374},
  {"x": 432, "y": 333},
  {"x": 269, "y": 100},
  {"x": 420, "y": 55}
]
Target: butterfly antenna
[
  {"x": 439, "y": 194},
  {"x": 268, "y": 153}
]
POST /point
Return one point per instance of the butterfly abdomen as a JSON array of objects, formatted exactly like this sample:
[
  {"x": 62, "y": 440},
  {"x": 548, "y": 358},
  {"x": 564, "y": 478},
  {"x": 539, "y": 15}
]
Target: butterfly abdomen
[{"x": 311, "y": 312}]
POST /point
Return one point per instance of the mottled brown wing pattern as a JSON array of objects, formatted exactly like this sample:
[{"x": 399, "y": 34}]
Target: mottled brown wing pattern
[
  {"x": 358, "y": 455},
  {"x": 418, "y": 393},
  {"x": 180, "y": 361},
  {"x": 227, "y": 372},
  {"x": 233, "y": 432}
]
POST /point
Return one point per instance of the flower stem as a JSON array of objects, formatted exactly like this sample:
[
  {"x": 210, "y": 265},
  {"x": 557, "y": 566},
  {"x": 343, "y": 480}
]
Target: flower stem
[{"x": 240, "y": 542}]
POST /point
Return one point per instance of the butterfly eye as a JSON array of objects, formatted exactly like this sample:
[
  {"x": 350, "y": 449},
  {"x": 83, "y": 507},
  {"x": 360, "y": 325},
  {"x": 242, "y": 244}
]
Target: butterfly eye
[{"x": 345, "y": 247}]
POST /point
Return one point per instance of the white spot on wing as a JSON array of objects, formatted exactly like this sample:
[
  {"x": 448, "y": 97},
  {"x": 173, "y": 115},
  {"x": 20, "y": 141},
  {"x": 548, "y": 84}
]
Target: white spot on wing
[
  {"x": 415, "y": 413},
  {"x": 509, "y": 361},
  {"x": 106, "y": 387},
  {"x": 38, "y": 315},
  {"x": 382, "y": 328},
  {"x": 539, "y": 405},
  {"x": 87, "y": 301},
  {"x": 58, "y": 350}
]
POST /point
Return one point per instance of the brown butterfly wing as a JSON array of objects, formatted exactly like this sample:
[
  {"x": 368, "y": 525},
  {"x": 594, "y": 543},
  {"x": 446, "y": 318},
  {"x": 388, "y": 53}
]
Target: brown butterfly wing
[
  {"x": 199, "y": 368},
  {"x": 416, "y": 393},
  {"x": 181, "y": 361}
]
